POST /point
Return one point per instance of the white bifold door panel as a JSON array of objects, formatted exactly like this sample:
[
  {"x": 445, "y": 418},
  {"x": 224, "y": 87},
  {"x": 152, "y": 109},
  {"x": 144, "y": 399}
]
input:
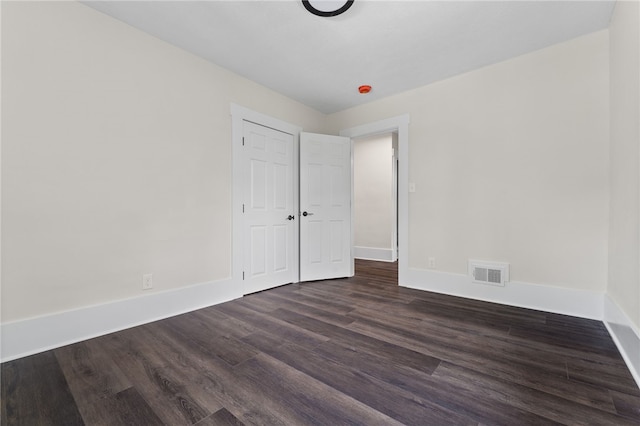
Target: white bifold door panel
[
  {"x": 325, "y": 207},
  {"x": 269, "y": 217}
]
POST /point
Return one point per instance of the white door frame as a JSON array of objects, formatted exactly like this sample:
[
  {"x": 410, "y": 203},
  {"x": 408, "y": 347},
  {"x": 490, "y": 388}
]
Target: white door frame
[
  {"x": 394, "y": 197},
  {"x": 240, "y": 114},
  {"x": 400, "y": 125}
]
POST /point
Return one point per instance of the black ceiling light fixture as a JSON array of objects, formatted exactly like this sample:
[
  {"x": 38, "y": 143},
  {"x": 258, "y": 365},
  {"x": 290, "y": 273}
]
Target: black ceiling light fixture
[{"x": 327, "y": 8}]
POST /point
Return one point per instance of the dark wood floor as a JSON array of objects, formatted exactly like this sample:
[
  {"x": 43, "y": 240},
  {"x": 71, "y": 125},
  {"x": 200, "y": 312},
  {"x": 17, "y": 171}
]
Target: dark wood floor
[{"x": 351, "y": 351}]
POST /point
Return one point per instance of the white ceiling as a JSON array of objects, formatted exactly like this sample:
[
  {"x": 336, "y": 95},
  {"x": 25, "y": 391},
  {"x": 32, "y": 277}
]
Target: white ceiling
[{"x": 392, "y": 45}]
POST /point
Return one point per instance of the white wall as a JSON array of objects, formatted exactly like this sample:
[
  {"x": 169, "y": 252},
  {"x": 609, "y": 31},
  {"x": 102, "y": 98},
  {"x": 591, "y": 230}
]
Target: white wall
[
  {"x": 624, "y": 246},
  {"x": 623, "y": 315},
  {"x": 511, "y": 164},
  {"x": 373, "y": 192},
  {"x": 116, "y": 160}
]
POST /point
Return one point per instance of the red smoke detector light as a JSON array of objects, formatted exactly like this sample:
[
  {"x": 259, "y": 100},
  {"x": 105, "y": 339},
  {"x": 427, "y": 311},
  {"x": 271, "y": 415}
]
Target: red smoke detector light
[{"x": 364, "y": 89}]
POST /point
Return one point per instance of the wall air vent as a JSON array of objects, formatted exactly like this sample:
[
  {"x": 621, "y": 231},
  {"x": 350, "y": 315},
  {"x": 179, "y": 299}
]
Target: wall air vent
[{"x": 492, "y": 273}]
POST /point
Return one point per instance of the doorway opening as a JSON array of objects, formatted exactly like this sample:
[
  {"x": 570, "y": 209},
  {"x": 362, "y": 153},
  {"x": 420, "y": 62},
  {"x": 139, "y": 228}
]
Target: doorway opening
[
  {"x": 400, "y": 126},
  {"x": 375, "y": 187}
]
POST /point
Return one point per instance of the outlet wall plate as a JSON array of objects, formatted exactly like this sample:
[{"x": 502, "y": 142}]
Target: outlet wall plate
[{"x": 147, "y": 281}]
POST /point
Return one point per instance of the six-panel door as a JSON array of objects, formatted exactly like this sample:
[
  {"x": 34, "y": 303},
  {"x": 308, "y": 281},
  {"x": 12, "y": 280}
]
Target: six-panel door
[
  {"x": 269, "y": 214},
  {"x": 325, "y": 204}
]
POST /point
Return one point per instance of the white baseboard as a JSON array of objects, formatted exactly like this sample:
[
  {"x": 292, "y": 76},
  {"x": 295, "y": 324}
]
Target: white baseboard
[
  {"x": 625, "y": 335},
  {"x": 34, "y": 335},
  {"x": 373, "y": 253},
  {"x": 580, "y": 303}
]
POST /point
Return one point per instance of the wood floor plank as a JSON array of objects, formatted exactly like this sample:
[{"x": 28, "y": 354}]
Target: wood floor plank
[
  {"x": 627, "y": 406},
  {"x": 469, "y": 316},
  {"x": 438, "y": 339},
  {"x": 460, "y": 306},
  {"x": 273, "y": 325},
  {"x": 275, "y": 301},
  {"x": 206, "y": 334},
  {"x": 128, "y": 407},
  {"x": 222, "y": 417},
  {"x": 414, "y": 359},
  {"x": 225, "y": 324},
  {"x": 403, "y": 407},
  {"x": 524, "y": 371},
  {"x": 306, "y": 398},
  {"x": 324, "y": 301},
  {"x": 141, "y": 356},
  {"x": 218, "y": 381},
  {"x": 245, "y": 391},
  {"x": 367, "y": 289},
  {"x": 599, "y": 374},
  {"x": 93, "y": 378},
  {"x": 582, "y": 343},
  {"x": 35, "y": 392},
  {"x": 525, "y": 398},
  {"x": 348, "y": 296},
  {"x": 89, "y": 371}
]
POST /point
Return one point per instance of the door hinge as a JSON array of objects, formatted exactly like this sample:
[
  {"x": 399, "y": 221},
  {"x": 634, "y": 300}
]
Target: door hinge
[
  {"x": 243, "y": 208},
  {"x": 242, "y": 275},
  {"x": 243, "y": 141}
]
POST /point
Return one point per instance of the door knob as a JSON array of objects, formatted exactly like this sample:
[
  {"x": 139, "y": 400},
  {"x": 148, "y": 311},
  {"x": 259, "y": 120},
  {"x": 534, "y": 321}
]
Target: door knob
[
  {"x": 307, "y": 214},
  {"x": 290, "y": 217}
]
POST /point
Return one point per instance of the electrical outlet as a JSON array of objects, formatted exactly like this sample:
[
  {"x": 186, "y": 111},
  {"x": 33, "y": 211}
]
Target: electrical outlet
[
  {"x": 431, "y": 263},
  {"x": 147, "y": 281}
]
